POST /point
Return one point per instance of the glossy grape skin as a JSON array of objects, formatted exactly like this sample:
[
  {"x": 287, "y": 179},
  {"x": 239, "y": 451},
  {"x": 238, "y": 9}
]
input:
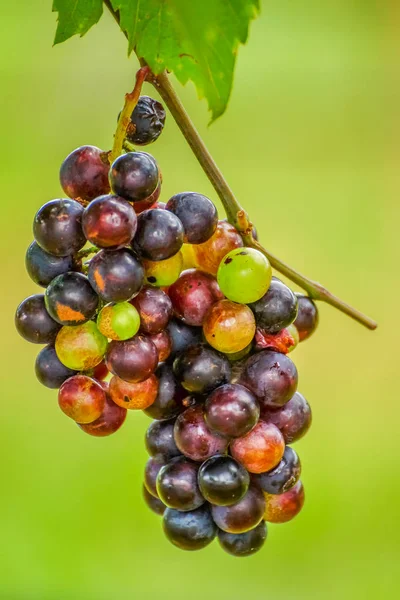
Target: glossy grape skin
[
  {"x": 57, "y": 227},
  {"x": 307, "y": 317},
  {"x": 243, "y": 544},
  {"x": 84, "y": 173},
  {"x": 109, "y": 222},
  {"x": 147, "y": 121},
  {"x": 229, "y": 327},
  {"x": 244, "y": 275},
  {"x": 261, "y": 449},
  {"x": 155, "y": 309},
  {"x": 159, "y": 234},
  {"x": 192, "y": 295},
  {"x": 34, "y": 323},
  {"x": 200, "y": 369},
  {"x": 151, "y": 471},
  {"x": 150, "y": 202},
  {"x": 70, "y": 299},
  {"x": 243, "y": 515},
  {"x": 284, "y": 507},
  {"x": 110, "y": 420},
  {"x": 168, "y": 403},
  {"x": 133, "y": 396},
  {"x": 118, "y": 321},
  {"x": 116, "y": 275},
  {"x": 133, "y": 360},
  {"x": 231, "y": 410},
  {"x": 43, "y": 267},
  {"x": 293, "y": 419},
  {"x": 177, "y": 485},
  {"x": 163, "y": 343},
  {"x": 194, "y": 439},
  {"x": 100, "y": 371},
  {"x": 285, "y": 341},
  {"x": 197, "y": 214},
  {"x": 223, "y": 481},
  {"x": 81, "y": 347},
  {"x": 182, "y": 336},
  {"x": 134, "y": 176},
  {"x": 49, "y": 370},
  {"x": 276, "y": 309},
  {"x": 153, "y": 503},
  {"x": 208, "y": 256},
  {"x": 191, "y": 530},
  {"x": 271, "y": 376},
  {"x": 159, "y": 439},
  {"x": 163, "y": 273},
  {"x": 282, "y": 477},
  {"x": 82, "y": 398}
]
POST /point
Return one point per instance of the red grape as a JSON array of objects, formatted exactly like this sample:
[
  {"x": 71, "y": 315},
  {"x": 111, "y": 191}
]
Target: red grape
[
  {"x": 109, "y": 222},
  {"x": 307, "y": 317},
  {"x": 192, "y": 295},
  {"x": 293, "y": 419},
  {"x": 194, "y": 439},
  {"x": 284, "y": 507},
  {"x": 261, "y": 449},
  {"x": 243, "y": 515},
  {"x": 132, "y": 360},
  {"x": 163, "y": 343},
  {"x": 154, "y": 308},
  {"x": 82, "y": 398},
  {"x": 84, "y": 173},
  {"x": 134, "y": 396},
  {"x": 231, "y": 410},
  {"x": 282, "y": 477},
  {"x": 229, "y": 327},
  {"x": 209, "y": 255},
  {"x": 110, "y": 420}
]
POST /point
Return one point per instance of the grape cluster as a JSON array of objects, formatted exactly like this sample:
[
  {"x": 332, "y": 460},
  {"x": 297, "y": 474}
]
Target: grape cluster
[{"x": 173, "y": 316}]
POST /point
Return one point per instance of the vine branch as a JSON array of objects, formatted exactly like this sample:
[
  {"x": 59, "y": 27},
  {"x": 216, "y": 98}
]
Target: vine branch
[{"x": 235, "y": 213}]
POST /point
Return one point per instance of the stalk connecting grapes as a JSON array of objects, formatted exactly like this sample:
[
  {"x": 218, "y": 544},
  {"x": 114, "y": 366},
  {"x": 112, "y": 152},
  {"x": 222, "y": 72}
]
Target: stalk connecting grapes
[{"x": 161, "y": 308}]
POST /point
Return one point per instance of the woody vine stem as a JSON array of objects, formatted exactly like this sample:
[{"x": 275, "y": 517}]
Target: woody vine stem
[{"x": 234, "y": 211}]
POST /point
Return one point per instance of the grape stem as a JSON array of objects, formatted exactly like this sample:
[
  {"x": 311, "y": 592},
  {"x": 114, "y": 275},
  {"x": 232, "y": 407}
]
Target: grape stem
[
  {"x": 234, "y": 211},
  {"x": 124, "y": 119}
]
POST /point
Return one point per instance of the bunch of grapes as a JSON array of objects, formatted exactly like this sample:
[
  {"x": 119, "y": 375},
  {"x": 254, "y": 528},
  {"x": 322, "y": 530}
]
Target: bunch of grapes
[{"x": 160, "y": 307}]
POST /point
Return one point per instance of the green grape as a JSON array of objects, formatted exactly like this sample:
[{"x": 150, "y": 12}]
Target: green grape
[
  {"x": 244, "y": 275},
  {"x": 163, "y": 273},
  {"x": 81, "y": 347},
  {"x": 118, "y": 321}
]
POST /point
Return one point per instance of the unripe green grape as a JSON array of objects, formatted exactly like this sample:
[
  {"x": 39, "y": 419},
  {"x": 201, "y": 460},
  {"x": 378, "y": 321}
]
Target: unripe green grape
[
  {"x": 118, "y": 321},
  {"x": 81, "y": 347},
  {"x": 163, "y": 273},
  {"x": 244, "y": 275}
]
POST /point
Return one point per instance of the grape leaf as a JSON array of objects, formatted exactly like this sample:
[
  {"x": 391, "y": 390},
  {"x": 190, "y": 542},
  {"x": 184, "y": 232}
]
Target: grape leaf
[
  {"x": 196, "y": 39},
  {"x": 75, "y": 16}
]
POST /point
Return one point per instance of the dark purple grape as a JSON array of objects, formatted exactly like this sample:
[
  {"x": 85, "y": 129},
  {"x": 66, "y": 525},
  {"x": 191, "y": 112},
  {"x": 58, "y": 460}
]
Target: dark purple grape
[
  {"x": 49, "y": 370},
  {"x": 168, "y": 403},
  {"x": 153, "y": 503},
  {"x": 190, "y": 530},
  {"x": 197, "y": 213},
  {"x": 222, "y": 480},
  {"x": 132, "y": 360},
  {"x": 151, "y": 471},
  {"x": 57, "y": 227},
  {"x": 84, "y": 173},
  {"x": 282, "y": 477},
  {"x": 271, "y": 376},
  {"x": 147, "y": 122},
  {"x": 194, "y": 439},
  {"x": 201, "y": 369},
  {"x": 134, "y": 176},
  {"x": 109, "y": 222},
  {"x": 70, "y": 299},
  {"x": 276, "y": 309},
  {"x": 34, "y": 323},
  {"x": 162, "y": 342},
  {"x": 182, "y": 336},
  {"x": 243, "y": 544},
  {"x": 193, "y": 294},
  {"x": 177, "y": 485},
  {"x": 307, "y": 317},
  {"x": 242, "y": 516},
  {"x": 159, "y": 234},
  {"x": 160, "y": 439},
  {"x": 43, "y": 267},
  {"x": 293, "y": 419},
  {"x": 154, "y": 308},
  {"x": 231, "y": 410},
  {"x": 116, "y": 275}
]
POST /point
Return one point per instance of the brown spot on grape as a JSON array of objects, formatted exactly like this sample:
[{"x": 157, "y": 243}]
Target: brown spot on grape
[
  {"x": 228, "y": 260},
  {"x": 99, "y": 281},
  {"x": 242, "y": 253},
  {"x": 66, "y": 313},
  {"x": 151, "y": 279}
]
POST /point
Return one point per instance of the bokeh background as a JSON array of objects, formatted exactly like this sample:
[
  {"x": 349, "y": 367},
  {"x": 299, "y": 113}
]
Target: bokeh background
[{"x": 309, "y": 144}]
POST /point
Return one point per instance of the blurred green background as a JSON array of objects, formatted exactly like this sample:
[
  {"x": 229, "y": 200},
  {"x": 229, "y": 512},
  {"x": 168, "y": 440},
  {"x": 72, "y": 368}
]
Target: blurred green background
[{"x": 309, "y": 145}]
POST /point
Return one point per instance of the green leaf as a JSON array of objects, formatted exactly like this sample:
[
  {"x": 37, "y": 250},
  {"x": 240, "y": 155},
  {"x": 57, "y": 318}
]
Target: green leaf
[
  {"x": 196, "y": 39},
  {"x": 76, "y": 16}
]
